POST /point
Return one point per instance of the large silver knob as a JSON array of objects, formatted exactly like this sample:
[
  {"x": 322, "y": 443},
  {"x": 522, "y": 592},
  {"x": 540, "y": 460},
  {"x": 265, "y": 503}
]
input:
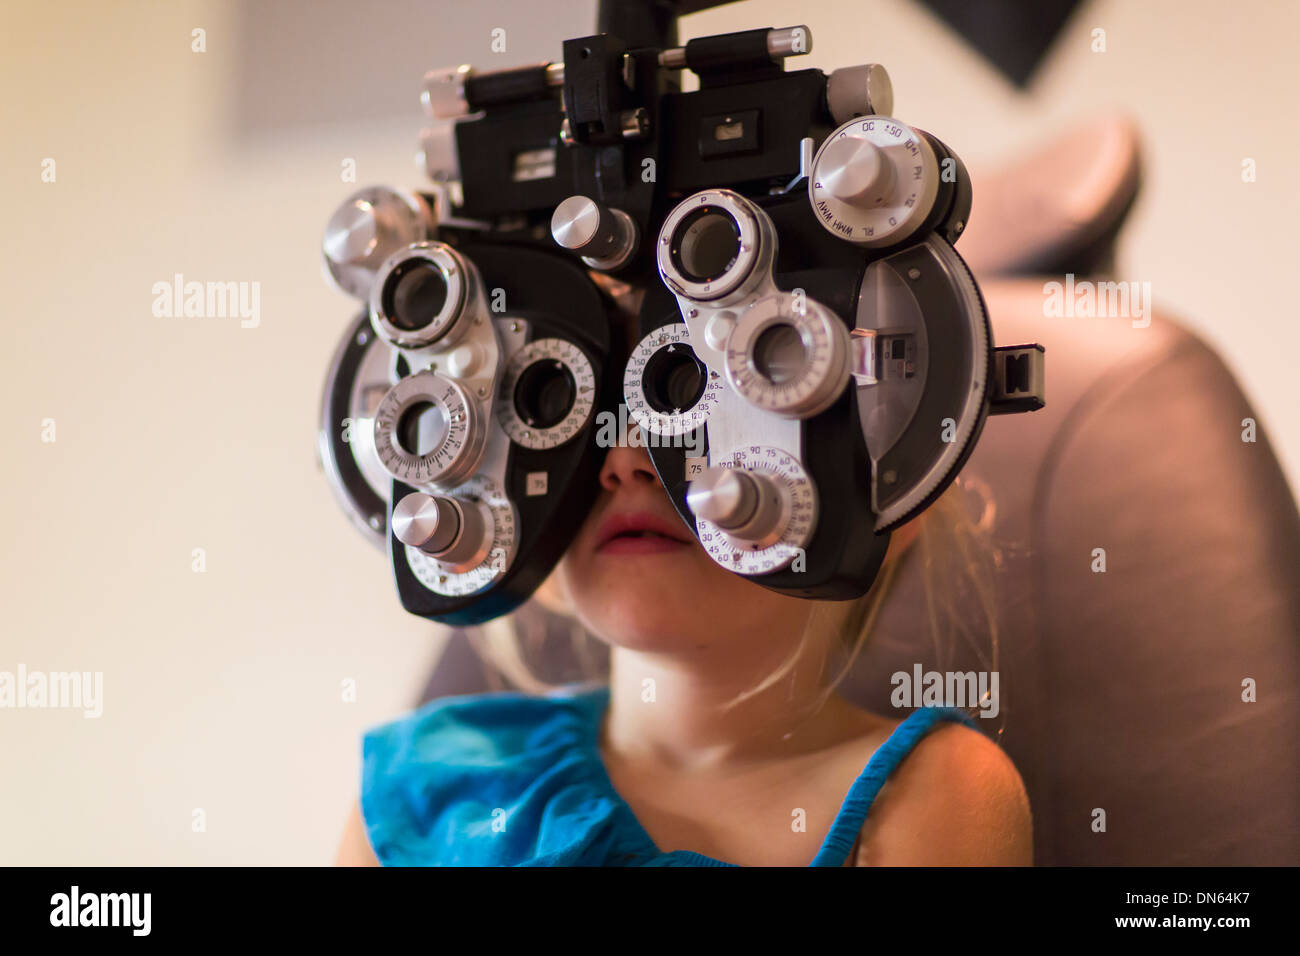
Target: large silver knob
[
  {"x": 857, "y": 172},
  {"x": 873, "y": 182},
  {"x": 859, "y": 91},
  {"x": 744, "y": 504},
  {"x": 603, "y": 236},
  {"x": 456, "y": 533},
  {"x": 369, "y": 227}
]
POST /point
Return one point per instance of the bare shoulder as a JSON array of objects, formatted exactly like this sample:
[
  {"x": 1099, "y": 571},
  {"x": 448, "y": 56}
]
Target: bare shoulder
[
  {"x": 354, "y": 848},
  {"x": 956, "y": 800}
]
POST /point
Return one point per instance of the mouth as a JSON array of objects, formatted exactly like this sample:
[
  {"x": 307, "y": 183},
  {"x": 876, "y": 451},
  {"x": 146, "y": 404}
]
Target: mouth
[{"x": 640, "y": 532}]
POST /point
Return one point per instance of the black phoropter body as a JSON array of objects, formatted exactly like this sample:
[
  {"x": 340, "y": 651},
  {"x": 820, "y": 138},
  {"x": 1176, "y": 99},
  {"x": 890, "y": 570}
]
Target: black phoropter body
[{"x": 806, "y": 319}]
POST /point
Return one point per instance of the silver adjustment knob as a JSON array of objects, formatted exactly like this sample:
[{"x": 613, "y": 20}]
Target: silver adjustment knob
[
  {"x": 859, "y": 91},
  {"x": 443, "y": 95},
  {"x": 604, "y": 237},
  {"x": 370, "y": 226},
  {"x": 742, "y": 503},
  {"x": 857, "y": 172},
  {"x": 452, "y": 531},
  {"x": 873, "y": 182}
]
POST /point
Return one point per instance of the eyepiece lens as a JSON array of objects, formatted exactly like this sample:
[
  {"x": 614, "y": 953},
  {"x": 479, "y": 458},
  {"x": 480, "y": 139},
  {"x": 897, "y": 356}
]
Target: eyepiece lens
[
  {"x": 674, "y": 380},
  {"x": 545, "y": 393},
  {"x": 779, "y": 354},
  {"x": 414, "y": 294},
  {"x": 421, "y": 428},
  {"x": 706, "y": 244}
]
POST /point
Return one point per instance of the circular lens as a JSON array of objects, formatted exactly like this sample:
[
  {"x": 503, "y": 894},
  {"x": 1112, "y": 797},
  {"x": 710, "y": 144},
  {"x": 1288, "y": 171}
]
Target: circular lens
[
  {"x": 421, "y": 428},
  {"x": 674, "y": 380},
  {"x": 706, "y": 244},
  {"x": 545, "y": 393},
  {"x": 779, "y": 354},
  {"x": 414, "y": 294}
]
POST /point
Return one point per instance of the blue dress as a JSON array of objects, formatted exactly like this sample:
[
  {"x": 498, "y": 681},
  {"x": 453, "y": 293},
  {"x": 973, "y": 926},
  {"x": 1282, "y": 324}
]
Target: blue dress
[{"x": 511, "y": 779}]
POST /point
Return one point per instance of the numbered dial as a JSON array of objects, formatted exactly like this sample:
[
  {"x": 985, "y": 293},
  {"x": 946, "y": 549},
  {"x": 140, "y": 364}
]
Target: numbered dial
[
  {"x": 500, "y": 536},
  {"x": 873, "y": 182},
  {"x": 547, "y": 393},
  {"x": 775, "y": 498},
  {"x": 789, "y": 355},
  {"x": 668, "y": 390},
  {"x": 427, "y": 431}
]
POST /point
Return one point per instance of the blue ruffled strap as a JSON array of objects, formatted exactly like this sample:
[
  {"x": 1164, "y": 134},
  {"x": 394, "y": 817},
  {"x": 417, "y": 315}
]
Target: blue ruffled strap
[{"x": 853, "y": 813}]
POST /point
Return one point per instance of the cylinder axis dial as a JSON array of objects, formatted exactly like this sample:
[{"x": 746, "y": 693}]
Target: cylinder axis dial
[
  {"x": 547, "y": 393},
  {"x": 455, "y": 531},
  {"x": 497, "y": 543},
  {"x": 873, "y": 182},
  {"x": 765, "y": 517},
  {"x": 668, "y": 390},
  {"x": 427, "y": 431}
]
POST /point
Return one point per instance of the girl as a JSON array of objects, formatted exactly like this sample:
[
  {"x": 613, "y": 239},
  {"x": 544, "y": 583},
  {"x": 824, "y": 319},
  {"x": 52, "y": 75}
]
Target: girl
[{"x": 718, "y": 739}]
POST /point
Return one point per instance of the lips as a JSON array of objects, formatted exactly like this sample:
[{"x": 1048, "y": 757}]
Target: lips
[{"x": 640, "y": 532}]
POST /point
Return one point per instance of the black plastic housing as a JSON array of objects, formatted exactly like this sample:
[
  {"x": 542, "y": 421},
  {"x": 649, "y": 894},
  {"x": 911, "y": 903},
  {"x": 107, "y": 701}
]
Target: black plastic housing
[{"x": 558, "y": 300}]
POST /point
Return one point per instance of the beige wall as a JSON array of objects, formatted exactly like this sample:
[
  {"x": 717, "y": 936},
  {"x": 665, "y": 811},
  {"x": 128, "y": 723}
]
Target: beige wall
[{"x": 222, "y": 690}]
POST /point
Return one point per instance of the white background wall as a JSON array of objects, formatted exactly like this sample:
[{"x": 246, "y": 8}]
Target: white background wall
[{"x": 222, "y": 689}]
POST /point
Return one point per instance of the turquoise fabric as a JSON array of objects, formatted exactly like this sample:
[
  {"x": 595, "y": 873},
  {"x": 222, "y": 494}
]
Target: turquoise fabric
[{"x": 435, "y": 781}]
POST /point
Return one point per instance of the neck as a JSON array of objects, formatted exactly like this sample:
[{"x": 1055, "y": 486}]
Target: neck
[{"x": 671, "y": 709}]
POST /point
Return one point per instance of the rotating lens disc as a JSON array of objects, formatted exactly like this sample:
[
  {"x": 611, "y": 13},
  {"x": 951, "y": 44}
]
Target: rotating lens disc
[
  {"x": 547, "y": 393},
  {"x": 714, "y": 246},
  {"x": 427, "y": 431},
  {"x": 419, "y": 294},
  {"x": 789, "y": 355},
  {"x": 668, "y": 390}
]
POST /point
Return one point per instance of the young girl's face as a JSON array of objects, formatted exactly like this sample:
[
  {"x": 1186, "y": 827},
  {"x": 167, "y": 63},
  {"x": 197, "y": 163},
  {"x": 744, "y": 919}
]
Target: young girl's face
[{"x": 636, "y": 576}]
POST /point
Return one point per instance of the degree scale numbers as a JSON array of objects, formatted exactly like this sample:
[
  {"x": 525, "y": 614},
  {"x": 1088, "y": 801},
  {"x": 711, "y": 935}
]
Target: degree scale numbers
[
  {"x": 438, "y": 579},
  {"x": 799, "y": 514}
]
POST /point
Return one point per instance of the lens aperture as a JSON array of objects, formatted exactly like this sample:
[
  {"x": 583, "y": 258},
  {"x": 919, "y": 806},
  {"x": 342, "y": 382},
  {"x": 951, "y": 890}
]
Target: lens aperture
[
  {"x": 674, "y": 380},
  {"x": 779, "y": 354},
  {"x": 414, "y": 294},
  {"x": 421, "y": 428},
  {"x": 544, "y": 394},
  {"x": 706, "y": 244}
]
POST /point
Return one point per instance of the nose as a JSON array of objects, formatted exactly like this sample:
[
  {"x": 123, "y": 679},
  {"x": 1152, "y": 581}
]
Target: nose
[{"x": 627, "y": 467}]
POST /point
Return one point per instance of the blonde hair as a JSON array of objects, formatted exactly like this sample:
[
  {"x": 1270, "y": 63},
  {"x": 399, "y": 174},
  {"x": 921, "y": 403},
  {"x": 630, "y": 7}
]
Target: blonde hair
[{"x": 957, "y": 555}]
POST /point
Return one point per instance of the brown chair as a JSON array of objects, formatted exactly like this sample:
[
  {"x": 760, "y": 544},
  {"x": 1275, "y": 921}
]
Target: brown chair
[{"x": 1121, "y": 691}]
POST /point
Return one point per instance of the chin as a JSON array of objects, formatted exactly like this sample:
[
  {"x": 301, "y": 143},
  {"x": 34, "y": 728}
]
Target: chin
[
  {"x": 646, "y": 602},
  {"x": 669, "y": 602}
]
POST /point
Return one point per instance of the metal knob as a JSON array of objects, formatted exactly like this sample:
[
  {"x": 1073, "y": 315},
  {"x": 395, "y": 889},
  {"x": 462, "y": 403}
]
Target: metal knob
[
  {"x": 366, "y": 229},
  {"x": 443, "y": 95},
  {"x": 859, "y": 91},
  {"x": 856, "y": 172},
  {"x": 744, "y": 504},
  {"x": 604, "y": 237},
  {"x": 448, "y": 529}
]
